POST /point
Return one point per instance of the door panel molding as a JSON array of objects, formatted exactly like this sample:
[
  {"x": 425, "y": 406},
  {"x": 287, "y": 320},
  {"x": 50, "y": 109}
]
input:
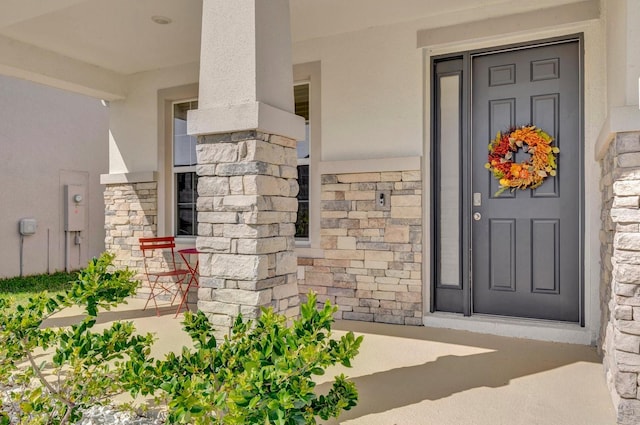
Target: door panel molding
[
  {"x": 502, "y": 250},
  {"x": 545, "y": 260}
]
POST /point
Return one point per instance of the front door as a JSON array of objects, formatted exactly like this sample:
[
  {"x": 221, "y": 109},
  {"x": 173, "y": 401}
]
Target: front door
[
  {"x": 526, "y": 243},
  {"x": 525, "y": 256}
]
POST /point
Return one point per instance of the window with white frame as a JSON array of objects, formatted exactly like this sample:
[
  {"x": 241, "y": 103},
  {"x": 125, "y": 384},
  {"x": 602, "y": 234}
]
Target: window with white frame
[
  {"x": 185, "y": 180},
  {"x": 307, "y": 94},
  {"x": 301, "y": 99}
]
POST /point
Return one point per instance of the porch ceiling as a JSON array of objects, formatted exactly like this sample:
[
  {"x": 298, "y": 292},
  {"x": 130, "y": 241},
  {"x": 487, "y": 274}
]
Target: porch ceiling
[
  {"x": 117, "y": 35},
  {"x": 120, "y": 37}
]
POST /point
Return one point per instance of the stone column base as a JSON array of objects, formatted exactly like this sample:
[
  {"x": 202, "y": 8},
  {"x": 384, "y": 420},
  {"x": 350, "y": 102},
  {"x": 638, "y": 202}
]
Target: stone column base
[
  {"x": 247, "y": 209},
  {"x": 620, "y": 288}
]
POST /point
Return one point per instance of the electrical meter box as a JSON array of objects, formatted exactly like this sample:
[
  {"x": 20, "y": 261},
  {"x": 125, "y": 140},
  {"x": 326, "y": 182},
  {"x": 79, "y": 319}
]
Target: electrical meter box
[
  {"x": 74, "y": 207},
  {"x": 28, "y": 226}
]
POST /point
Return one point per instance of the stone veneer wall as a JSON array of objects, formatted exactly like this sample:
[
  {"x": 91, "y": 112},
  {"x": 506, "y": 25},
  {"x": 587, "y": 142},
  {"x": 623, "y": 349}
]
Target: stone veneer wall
[
  {"x": 131, "y": 212},
  {"x": 372, "y": 264},
  {"x": 620, "y": 288},
  {"x": 247, "y": 209}
]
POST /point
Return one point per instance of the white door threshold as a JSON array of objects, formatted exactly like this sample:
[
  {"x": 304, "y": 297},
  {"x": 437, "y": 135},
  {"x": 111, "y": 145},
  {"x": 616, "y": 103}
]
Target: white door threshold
[{"x": 542, "y": 330}]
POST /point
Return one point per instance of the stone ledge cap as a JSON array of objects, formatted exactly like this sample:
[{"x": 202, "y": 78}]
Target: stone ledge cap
[
  {"x": 246, "y": 116},
  {"x": 137, "y": 177}
]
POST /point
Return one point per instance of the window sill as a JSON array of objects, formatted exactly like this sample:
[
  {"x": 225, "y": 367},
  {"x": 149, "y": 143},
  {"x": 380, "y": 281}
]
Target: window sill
[{"x": 185, "y": 241}]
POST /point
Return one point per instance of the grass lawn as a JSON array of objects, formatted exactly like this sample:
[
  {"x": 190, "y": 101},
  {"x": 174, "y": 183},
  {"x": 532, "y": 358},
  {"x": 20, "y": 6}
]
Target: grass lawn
[{"x": 23, "y": 288}]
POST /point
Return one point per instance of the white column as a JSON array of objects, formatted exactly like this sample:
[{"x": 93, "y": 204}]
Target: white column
[
  {"x": 246, "y": 154},
  {"x": 246, "y": 73}
]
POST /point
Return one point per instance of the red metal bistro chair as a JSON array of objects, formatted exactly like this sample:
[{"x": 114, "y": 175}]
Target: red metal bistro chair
[{"x": 169, "y": 280}]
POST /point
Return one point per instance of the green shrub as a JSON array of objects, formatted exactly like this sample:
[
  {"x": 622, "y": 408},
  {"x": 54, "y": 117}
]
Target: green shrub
[
  {"x": 262, "y": 374},
  {"x": 86, "y": 366}
]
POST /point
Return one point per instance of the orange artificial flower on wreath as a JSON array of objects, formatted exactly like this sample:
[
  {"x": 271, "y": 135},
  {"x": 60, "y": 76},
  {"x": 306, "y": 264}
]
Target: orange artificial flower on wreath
[{"x": 527, "y": 174}]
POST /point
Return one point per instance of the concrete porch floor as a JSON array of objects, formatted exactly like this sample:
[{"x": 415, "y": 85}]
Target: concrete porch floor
[{"x": 424, "y": 376}]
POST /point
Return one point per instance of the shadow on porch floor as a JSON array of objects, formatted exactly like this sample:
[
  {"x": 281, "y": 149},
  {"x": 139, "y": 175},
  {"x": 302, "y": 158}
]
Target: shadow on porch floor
[{"x": 424, "y": 376}]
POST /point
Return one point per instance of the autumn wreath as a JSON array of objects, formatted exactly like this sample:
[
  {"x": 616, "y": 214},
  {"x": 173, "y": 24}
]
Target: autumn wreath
[{"x": 527, "y": 174}]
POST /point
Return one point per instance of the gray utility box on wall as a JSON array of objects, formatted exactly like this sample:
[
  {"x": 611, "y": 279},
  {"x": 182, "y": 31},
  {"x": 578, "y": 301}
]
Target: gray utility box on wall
[
  {"x": 28, "y": 226},
  {"x": 74, "y": 207}
]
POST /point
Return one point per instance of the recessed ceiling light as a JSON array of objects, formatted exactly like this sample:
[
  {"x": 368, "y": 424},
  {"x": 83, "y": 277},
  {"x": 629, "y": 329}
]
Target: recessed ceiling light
[{"x": 162, "y": 20}]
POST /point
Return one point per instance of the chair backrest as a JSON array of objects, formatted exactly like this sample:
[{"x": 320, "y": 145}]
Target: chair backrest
[
  {"x": 149, "y": 245},
  {"x": 157, "y": 243}
]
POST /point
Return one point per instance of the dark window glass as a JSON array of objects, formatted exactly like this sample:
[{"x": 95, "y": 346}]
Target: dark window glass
[
  {"x": 186, "y": 196},
  {"x": 301, "y": 98},
  {"x": 302, "y": 223}
]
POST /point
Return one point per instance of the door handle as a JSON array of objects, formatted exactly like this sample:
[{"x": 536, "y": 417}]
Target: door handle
[{"x": 477, "y": 216}]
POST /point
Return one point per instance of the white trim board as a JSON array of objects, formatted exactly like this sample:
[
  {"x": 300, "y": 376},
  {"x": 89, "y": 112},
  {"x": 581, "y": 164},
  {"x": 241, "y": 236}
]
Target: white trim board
[
  {"x": 619, "y": 120},
  {"x": 379, "y": 165},
  {"x": 124, "y": 178}
]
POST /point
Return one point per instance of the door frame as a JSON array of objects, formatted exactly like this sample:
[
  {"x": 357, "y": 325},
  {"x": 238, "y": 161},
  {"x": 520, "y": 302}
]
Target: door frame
[{"x": 466, "y": 117}]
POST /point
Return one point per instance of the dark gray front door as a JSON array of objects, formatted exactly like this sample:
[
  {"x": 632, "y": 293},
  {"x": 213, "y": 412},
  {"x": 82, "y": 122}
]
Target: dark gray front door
[{"x": 526, "y": 244}]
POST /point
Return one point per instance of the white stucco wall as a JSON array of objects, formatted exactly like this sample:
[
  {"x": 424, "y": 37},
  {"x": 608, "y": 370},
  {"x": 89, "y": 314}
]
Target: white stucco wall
[
  {"x": 371, "y": 92},
  {"x": 623, "y": 55},
  {"x": 133, "y": 122},
  {"x": 48, "y": 138}
]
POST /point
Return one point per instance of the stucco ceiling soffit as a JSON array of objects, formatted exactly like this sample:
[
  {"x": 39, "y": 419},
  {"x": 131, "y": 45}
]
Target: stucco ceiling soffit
[
  {"x": 35, "y": 64},
  {"x": 312, "y": 19},
  {"x": 119, "y": 35},
  {"x": 14, "y": 11}
]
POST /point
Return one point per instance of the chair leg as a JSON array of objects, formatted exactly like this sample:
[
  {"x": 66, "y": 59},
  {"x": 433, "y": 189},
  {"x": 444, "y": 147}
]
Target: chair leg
[
  {"x": 149, "y": 297},
  {"x": 179, "y": 291},
  {"x": 185, "y": 294},
  {"x": 152, "y": 295},
  {"x": 157, "y": 288}
]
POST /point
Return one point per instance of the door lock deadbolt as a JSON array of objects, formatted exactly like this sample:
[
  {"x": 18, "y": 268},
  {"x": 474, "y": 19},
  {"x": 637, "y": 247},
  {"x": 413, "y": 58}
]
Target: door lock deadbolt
[{"x": 477, "y": 216}]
